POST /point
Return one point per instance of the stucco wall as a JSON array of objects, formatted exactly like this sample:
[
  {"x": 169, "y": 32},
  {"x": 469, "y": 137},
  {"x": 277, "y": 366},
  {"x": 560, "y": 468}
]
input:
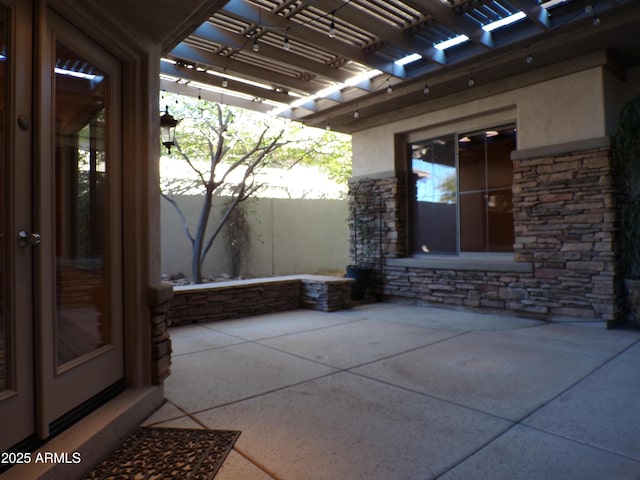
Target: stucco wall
[
  {"x": 618, "y": 93},
  {"x": 288, "y": 236},
  {"x": 560, "y": 110}
]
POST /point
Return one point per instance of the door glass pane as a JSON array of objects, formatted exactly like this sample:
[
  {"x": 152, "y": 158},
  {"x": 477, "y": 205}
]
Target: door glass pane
[
  {"x": 499, "y": 164},
  {"x": 473, "y": 222},
  {"x": 471, "y": 152},
  {"x": 500, "y": 144},
  {"x": 80, "y": 195},
  {"x": 500, "y": 219},
  {"x": 4, "y": 137},
  {"x": 433, "y": 185},
  {"x": 486, "y": 217}
]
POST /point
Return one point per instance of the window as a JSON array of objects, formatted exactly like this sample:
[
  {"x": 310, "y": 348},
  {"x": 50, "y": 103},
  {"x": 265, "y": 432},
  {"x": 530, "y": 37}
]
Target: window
[{"x": 460, "y": 193}]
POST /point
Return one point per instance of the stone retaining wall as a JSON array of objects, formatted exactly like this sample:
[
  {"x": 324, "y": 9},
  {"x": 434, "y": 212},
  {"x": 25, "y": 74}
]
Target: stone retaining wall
[
  {"x": 326, "y": 294},
  {"x": 241, "y": 298}
]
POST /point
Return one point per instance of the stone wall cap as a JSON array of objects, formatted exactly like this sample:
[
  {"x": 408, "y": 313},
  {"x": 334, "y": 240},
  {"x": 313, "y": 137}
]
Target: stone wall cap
[
  {"x": 489, "y": 262},
  {"x": 562, "y": 148},
  {"x": 261, "y": 281},
  {"x": 160, "y": 293},
  {"x": 323, "y": 279}
]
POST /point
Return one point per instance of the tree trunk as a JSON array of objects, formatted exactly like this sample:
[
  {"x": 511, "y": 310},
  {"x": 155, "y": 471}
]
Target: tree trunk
[{"x": 199, "y": 237}]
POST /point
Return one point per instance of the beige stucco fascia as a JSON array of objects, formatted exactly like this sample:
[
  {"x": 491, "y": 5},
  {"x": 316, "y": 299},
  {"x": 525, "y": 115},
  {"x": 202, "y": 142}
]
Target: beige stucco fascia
[
  {"x": 555, "y": 111},
  {"x": 619, "y": 91}
]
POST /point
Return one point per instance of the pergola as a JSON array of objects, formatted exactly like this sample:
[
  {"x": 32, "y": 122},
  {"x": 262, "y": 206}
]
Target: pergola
[{"x": 339, "y": 62}]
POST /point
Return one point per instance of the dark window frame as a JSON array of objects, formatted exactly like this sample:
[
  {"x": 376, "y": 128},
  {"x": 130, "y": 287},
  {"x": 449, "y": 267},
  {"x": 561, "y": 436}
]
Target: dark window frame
[{"x": 481, "y": 192}]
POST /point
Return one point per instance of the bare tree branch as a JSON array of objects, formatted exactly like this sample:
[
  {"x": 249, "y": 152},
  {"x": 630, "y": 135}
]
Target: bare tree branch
[
  {"x": 218, "y": 147},
  {"x": 242, "y": 195},
  {"x": 234, "y": 203},
  {"x": 188, "y": 160},
  {"x": 183, "y": 220},
  {"x": 229, "y": 155}
]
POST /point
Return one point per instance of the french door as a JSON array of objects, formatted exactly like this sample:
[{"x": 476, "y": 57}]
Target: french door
[
  {"x": 61, "y": 323},
  {"x": 17, "y": 355}
]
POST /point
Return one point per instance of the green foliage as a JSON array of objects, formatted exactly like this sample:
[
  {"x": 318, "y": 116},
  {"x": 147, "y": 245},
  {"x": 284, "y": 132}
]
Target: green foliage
[
  {"x": 238, "y": 235},
  {"x": 627, "y": 156},
  {"x": 631, "y": 236},
  {"x": 225, "y": 148},
  {"x": 331, "y": 151},
  {"x": 448, "y": 187}
]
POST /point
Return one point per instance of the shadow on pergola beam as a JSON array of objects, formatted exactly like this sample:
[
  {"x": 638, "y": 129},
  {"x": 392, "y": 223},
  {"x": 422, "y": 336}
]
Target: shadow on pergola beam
[
  {"x": 194, "y": 75},
  {"x": 190, "y": 54},
  {"x": 215, "y": 34},
  {"x": 258, "y": 16}
]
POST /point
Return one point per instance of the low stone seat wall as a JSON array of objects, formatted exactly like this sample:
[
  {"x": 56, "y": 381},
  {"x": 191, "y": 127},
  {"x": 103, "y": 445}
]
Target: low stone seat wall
[{"x": 240, "y": 298}]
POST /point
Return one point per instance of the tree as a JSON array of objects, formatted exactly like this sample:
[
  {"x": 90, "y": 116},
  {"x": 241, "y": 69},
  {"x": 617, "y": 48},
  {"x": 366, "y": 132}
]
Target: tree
[{"x": 225, "y": 148}]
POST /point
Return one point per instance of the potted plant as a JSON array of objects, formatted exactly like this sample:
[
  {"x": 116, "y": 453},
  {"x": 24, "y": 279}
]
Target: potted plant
[
  {"x": 627, "y": 157},
  {"x": 360, "y": 283},
  {"x": 363, "y": 223}
]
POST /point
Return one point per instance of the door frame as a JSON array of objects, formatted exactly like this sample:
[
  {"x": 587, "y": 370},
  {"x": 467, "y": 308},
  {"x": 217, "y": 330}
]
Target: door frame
[
  {"x": 140, "y": 58},
  {"x": 88, "y": 375},
  {"x": 17, "y": 401}
]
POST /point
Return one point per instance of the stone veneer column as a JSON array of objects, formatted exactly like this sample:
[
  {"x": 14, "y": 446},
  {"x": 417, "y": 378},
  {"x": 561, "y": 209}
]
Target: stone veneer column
[
  {"x": 380, "y": 203},
  {"x": 565, "y": 221},
  {"x": 390, "y": 208},
  {"x": 160, "y": 297}
]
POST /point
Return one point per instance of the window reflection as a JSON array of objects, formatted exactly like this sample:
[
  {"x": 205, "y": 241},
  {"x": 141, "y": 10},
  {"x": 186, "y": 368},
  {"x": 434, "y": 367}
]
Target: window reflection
[
  {"x": 486, "y": 175},
  {"x": 433, "y": 183},
  {"x": 80, "y": 180},
  {"x": 473, "y": 197}
]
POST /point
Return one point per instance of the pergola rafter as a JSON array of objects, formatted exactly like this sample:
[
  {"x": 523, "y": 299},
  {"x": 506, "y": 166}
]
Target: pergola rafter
[{"x": 311, "y": 75}]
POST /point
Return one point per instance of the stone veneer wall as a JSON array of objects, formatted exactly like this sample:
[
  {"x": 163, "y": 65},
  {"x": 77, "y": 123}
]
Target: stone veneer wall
[
  {"x": 564, "y": 265},
  {"x": 227, "y": 300},
  {"x": 377, "y": 223},
  {"x": 566, "y": 224},
  {"x": 327, "y": 294},
  {"x": 160, "y": 297},
  {"x": 473, "y": 288}
]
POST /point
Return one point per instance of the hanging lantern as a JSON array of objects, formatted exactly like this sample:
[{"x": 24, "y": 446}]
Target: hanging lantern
[{"x": 168, "y": 129}]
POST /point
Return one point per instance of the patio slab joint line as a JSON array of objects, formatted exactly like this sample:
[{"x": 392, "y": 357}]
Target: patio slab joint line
[
  {"x": 434, "y": 397},
  {"x": 314, "y": 329},
  {"x": 521, "y": 424},
  {"x": 346, "y": 369},
  {"x": 579, "y": 442},
  {"x": 580, "y": 380},
  {"x": 257, "y": 464},
  {"x": 257, "y": 395}
]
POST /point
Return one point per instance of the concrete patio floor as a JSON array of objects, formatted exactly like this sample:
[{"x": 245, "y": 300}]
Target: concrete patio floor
[{"x": 393, "y": 392}]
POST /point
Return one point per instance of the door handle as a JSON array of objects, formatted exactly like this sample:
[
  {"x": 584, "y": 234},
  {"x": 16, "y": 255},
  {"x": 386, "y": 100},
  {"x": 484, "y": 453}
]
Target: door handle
[{"x": 26, "y": 239}]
